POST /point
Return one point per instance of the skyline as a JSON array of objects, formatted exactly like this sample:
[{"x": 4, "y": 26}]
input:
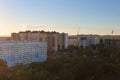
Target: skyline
[{"x": 91, "y": 16}]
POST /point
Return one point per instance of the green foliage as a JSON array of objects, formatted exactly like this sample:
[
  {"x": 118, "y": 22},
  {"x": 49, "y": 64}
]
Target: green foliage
[
  {"x": 3, "y": 70},
  {"x": 79, "y": 64}
]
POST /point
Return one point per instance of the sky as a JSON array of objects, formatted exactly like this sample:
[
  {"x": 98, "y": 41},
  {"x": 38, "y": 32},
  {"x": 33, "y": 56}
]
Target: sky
[{"x": 70, "y": 16}]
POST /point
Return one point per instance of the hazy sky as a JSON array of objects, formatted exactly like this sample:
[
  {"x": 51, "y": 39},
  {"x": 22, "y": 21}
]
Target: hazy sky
[{"x": 92, "y": 16}]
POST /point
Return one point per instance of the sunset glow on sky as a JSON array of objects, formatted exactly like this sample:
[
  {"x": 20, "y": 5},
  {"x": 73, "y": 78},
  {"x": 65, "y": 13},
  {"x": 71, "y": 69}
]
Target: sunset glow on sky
[{"x": 92, "y": 16}]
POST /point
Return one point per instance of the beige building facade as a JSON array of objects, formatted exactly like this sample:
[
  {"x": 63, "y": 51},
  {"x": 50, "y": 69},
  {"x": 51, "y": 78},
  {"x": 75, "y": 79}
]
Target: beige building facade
[{"x": 53, "y": 39}]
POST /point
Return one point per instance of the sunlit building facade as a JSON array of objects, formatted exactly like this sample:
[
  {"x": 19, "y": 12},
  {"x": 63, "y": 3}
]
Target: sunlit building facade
[{"x": 55, "y": 40}]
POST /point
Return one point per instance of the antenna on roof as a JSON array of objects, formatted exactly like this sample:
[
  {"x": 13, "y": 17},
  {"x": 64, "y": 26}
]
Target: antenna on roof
[{"x": 78, "y": 31}]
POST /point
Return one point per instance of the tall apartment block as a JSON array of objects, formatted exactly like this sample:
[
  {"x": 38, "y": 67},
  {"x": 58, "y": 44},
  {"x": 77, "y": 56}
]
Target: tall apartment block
[
  {"x": 63, "y": 41},
  {"x": 53, "y": 39},
  {"x": 14, "y": 52}
]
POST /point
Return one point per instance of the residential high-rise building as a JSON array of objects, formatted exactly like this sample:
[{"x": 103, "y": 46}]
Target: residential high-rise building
[
  {"x": 53, "y": 39},
  {"x": 14, "y": 52},
  {"x": 111, "y": 41},
  {"x": 63, "y": 41},
  {"x": 29, "y": 36},
  {"x": 87, "y": 40}
]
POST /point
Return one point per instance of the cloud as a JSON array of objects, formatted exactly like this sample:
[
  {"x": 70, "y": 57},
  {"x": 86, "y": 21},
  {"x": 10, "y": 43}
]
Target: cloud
[
  {"x": 28, "y": 26},
  {"x": 38, "y": 27}
]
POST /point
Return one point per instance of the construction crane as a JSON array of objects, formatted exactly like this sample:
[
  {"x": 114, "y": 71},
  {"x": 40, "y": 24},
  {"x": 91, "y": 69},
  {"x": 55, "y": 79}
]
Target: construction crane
[{"x": 112, "y": 32}]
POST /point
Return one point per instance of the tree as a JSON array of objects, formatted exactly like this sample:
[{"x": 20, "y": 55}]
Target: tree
[
  {"x": 3, "y": 70},
  {"x": 42, "y": 75}
]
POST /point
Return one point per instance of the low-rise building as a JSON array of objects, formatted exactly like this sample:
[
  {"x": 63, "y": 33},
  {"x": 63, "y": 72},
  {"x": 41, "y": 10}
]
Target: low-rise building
[
  {"x": 5, "y": 38},
  {"x": 73, "y": 41}
]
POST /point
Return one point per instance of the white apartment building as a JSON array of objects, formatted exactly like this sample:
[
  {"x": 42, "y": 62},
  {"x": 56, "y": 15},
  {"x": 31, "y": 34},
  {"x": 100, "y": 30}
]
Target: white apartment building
[
  {"x": 87, "y": 40},
  {"x": 14, "y": 52}
]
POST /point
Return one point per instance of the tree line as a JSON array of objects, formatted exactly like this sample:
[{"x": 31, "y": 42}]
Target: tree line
[{"x": 90, "y": 63}]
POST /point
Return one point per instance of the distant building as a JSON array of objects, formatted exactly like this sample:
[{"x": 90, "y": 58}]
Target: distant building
[
  {"x": 73, "y": 41},
  {"x": 30, "y": 36},
  {"x": 14, "y": 52},
  {"x": 111, "y": 41},
  {"x": 87, "y": 40},
  {"x": 63, "y": 41},
  {"x": 5, "y": 38},
  {"x": 52, "y": 38}
]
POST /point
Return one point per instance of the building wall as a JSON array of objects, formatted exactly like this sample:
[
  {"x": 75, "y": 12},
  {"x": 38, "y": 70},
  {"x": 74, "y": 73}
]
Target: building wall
[
  {"x": 30, "y": 36},
  {"x": 73, "y": 41},
  {"x": 52, "y": 38},
  {"x": 5, "y": 38},
  {"x": 66, "y": 41},
  {"x": 63, "y": 41},
  {"x": 111, "y": 41},
  {"x": 14, "y": 52},
  {"x": 86, "y": 40}
]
